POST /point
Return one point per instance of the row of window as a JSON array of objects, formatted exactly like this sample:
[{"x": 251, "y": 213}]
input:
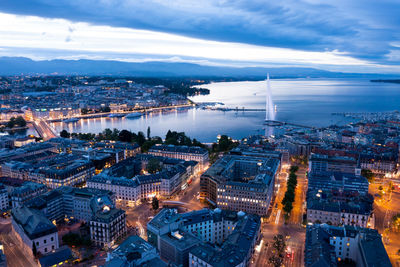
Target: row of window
[{"x": 45, "y": 241}]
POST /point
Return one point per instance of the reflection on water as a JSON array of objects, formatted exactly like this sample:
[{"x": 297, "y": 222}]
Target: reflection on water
[
  {"x": 204, "y": 125},
  {"x": 302, "y": 101}
]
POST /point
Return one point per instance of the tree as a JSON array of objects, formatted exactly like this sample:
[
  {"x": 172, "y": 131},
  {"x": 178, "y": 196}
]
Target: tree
[
  {"x": 34, "y": 250},
  {"x": 169, "y": 135},
  {"x": 105, "y": 109},
  {"x": 125, "y": 136},
  {"x": 197, "y": 143},
  {"x": 279, "y": 246},
  {"x": 72, "y": 239},
  {"x": 153, "y": 165},
  {"x": 288, "y": 207},
  {"x": 275, "y": 260},
  {"x": 368, "y": 174},
  {"x": 11, "y": 123},
  {"x": 390, "y": 187},
  {"x": 396, "y": 222},
  {"x": 149, "y": 143},
  {"x": 20, "y": 121},
  {"x": 65, "y": 134},
  {"x": 84, "y": 111},
  {"x": 224, "y": 143},
  {"x": 115, "y": 134},
  {"x": 279, "y": 243},
  {"x": 148, "y": 133},
  {"x": 141, "y": 138},
  {"x": 155, "y": 203},
  {"x": 294, "y": 169},
  {"x": 107, "y": 133}
]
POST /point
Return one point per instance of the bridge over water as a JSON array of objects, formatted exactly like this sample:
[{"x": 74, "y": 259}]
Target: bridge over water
[{"x": 43, "y": 129}]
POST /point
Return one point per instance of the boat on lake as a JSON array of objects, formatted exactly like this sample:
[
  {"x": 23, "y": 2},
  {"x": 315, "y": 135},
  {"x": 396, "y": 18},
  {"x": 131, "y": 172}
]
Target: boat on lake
[
  {"x": 133, "y": 115},
  {"x": 116, "y": 115},
  {"x": 71, "y": 120}
]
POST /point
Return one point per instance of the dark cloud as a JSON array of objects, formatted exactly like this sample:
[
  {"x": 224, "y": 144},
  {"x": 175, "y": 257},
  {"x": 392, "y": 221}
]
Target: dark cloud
[{"x": 363, "y": 28}]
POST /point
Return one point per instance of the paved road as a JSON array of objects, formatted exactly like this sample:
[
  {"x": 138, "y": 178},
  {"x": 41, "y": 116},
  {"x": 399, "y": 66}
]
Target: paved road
[
  {"x": 295, "y": 233},
  {"x": 44, "y": 129},
  {"x": 15, "y": 254},
  {"x": 292, "y": 231},
  {"x": 140, "y": 215},
  {"x": 384, "y": 209}
]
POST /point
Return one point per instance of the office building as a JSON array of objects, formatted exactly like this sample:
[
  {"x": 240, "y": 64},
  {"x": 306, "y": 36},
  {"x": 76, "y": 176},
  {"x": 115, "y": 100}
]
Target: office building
[
  {"x": 182, "y": 152},
  {"x": 241, "y": 183},
  {"x": 127, "y": 191},
  {"x": 62, "y": 170},
  {"x": 328, "y": 181},
  {"x": 327, "y": 163},
  {"x": 130, "y": 191}
]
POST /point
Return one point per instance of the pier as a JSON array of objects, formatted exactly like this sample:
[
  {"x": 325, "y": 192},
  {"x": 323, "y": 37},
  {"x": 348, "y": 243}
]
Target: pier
[
  {"x": 237, "y": 109},
  {"x": 274, "y": 123}
]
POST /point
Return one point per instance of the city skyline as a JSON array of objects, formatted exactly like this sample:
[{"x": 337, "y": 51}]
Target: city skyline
[{"x": 212, "y": 133}]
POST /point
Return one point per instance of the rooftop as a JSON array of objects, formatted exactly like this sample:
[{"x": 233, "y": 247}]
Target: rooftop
[
  {"x": 244, "y": 170},
  {"x": 33, "y": 222},
  {"x": 179, "y": 149},
  {"x": 62, "y": 254}
]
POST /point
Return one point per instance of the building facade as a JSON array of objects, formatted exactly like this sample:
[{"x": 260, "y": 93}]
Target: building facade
[
  {"x": 34, "y": 230},
  {"x": 208, "y": 237},
  {"x": 182, "y": 152},
  {"x": 107, "y": 225},
  {"x": 331, "y": 246},
  {"x": 4, "y": 199},
  {"x": 26, "y": 192},
  {"x": 241, "y": 183}
]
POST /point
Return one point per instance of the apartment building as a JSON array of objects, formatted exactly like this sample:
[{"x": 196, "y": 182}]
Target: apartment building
[
  {"x": 334, "y": 246},
  {"x": 27, "y": 191},
  {"x": 184, "y": 238}
]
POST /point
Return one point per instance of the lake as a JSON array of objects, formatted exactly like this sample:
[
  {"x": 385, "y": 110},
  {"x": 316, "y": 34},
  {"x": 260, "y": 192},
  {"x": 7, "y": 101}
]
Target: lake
[{"x": 303, "y": 101}]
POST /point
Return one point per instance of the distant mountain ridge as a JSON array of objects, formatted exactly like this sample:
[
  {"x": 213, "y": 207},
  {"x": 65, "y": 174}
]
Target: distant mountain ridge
[{"x": 22, "y": 65}]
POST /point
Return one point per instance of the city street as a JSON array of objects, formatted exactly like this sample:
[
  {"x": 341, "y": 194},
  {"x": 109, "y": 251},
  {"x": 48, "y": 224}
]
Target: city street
[
  {"x": 15, "y": 254},
  {"x": 384, "y": 209},
  {"x": 293, "y": 231},
  {"x": 186, "y": 200}
]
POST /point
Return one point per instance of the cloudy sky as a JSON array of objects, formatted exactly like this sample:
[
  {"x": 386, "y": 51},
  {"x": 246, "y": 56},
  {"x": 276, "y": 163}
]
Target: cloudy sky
[{"x": 340, "y": 35}]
